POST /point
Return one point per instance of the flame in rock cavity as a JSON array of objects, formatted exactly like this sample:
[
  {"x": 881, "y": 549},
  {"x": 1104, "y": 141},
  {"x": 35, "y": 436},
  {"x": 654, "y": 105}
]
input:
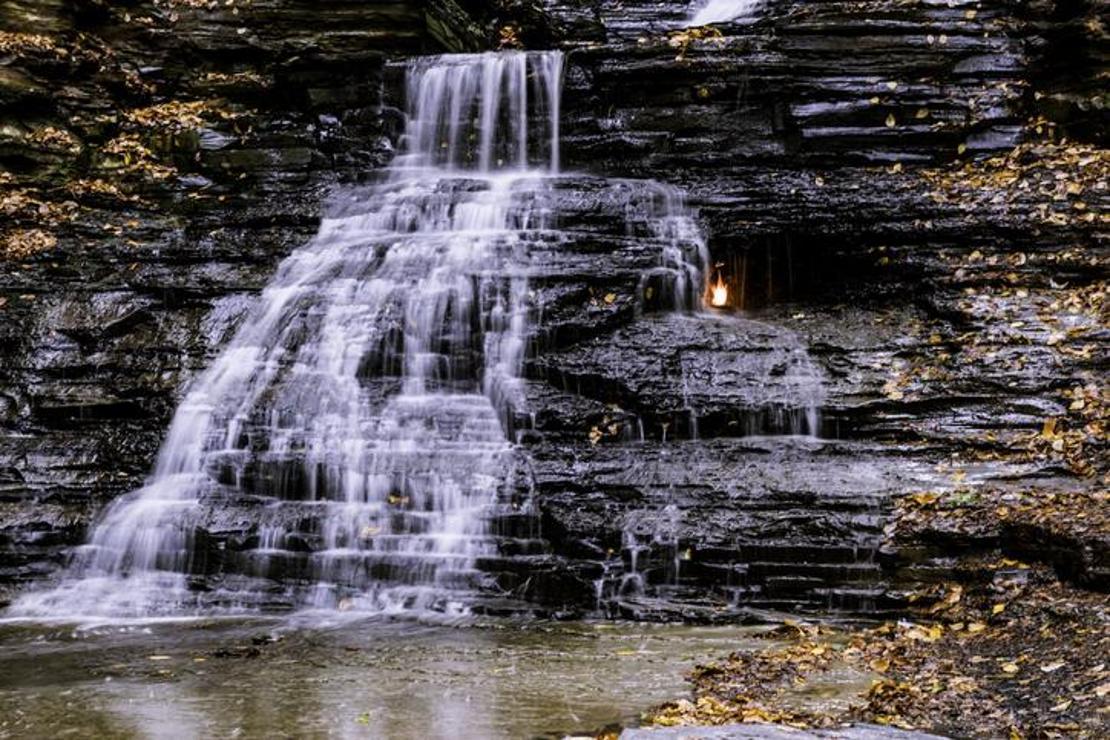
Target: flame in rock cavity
[{"x": 718, "y": 293}]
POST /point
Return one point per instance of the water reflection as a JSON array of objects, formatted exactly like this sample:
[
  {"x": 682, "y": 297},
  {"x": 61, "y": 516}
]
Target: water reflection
[{"x": 358, "y": 679}]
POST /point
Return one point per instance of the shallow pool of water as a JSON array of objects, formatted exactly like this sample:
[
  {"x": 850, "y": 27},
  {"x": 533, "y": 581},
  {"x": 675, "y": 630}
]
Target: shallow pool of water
[{"x": 332, "y": 677}]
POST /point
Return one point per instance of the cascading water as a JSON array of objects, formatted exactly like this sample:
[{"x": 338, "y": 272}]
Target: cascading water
[
  {"x": 660, "y": 211},
  {"x": 721, "y": 11},
  {"x": 360, "y": 411}
]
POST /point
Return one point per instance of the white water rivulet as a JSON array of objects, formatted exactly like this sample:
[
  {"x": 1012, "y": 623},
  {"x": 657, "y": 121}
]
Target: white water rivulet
[{"x": 350, "y": 444}]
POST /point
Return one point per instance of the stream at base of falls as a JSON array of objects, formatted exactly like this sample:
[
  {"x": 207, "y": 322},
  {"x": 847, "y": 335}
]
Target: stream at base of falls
[{"x": 332, "y": 676}]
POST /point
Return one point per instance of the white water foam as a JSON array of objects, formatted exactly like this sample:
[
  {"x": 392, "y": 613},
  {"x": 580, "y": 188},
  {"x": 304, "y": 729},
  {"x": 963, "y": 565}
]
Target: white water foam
[{"x": 721, "y": 11}]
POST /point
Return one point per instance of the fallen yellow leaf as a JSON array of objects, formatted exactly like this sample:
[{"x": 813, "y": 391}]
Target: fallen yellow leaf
[{"x": 925, "y": 634}]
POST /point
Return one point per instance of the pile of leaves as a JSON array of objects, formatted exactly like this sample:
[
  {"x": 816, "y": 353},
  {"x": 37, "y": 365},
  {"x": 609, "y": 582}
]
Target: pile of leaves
[
  {"x": 28, "y": 205},
  {"x": 207, "y": 4},
  {"x": 752, "y": 687},
  {"x": 30, "y": 219},
  {"x": 127, "y": 154},
  {"x": 245, "y": 78},
  {"x": 1068, "y": 182},
  {"x": 97, "y": 188},
  {"x": 172, "y": 116},
  {"x": 176, "y": 116},
  {"x": 19, "y": 244},
  {"x": 1019, "y": 655},
  {"x": 19, "y": 44},
  {"x": 55, "y": 139},
  {"x": 687, "y": 37}
]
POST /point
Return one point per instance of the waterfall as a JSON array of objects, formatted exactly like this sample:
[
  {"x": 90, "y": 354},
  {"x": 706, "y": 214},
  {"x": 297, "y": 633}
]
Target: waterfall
[
  {"x": 351, "y": 445},
  {"x": 361, "y": 411},
  {"x": 721, "y": 11}
]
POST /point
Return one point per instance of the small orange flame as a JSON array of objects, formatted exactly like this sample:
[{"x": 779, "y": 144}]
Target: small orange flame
[{"x": 718, "y": 294}]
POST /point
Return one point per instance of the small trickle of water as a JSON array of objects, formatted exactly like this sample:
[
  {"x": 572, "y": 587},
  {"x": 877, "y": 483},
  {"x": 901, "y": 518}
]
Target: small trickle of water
[
  {"x": 649, "y": 540},
  {"x": 658, "y": 211},
  {"x": 721, "y": 11}
]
